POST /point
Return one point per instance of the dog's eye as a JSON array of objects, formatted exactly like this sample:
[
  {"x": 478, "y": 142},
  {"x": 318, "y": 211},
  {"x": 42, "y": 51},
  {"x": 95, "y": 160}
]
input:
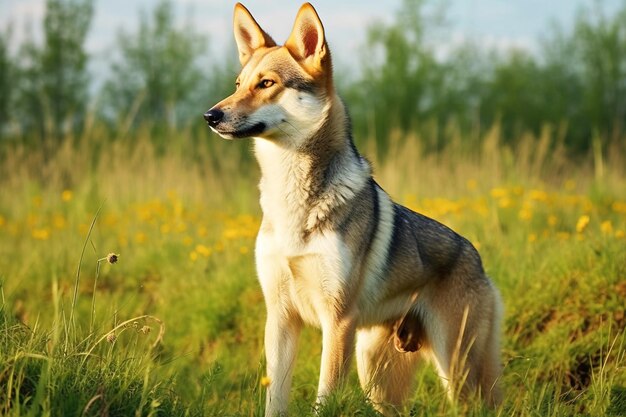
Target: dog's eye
[
  {"x": 266, "y": 83},
  {"x": 237, "y": 84}
]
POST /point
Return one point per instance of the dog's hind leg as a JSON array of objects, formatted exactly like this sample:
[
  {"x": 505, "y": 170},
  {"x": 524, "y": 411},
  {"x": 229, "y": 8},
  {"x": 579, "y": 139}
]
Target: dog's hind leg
[{"x": 385, "y": 374}]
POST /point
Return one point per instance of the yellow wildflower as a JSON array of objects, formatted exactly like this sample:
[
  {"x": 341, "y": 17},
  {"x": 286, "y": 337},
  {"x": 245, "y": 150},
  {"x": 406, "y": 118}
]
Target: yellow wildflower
[
  {"x": 83, "y": 229},
  {"x": 59, "y": 221},
  {"x": 140, "y": 237},
  {"x": 562, "y": 235},
  {"x": 122, "y": 240},
  {"x": 582, "y": 223},
  {"x": 67, "y": 195},
  {"x": 41, "y": 234},
  {"x": 525, "y": 214},
  {"x": 265, "y": 381},
  {"x": 230, "y": 233},
  {"x": 499, "y": 192},
  {"x": 606, "y": 227},
  {"x": 180, "y": 227},
  {"x": 538, "y": 195},
  {"x": 480, "y": 207},
  {"x": 505, "y": 202},
  {"x": 110, "y": 219},
  {"x": 552, "y": 220},
  {"x": 203, "y": 250},
  {"x": 619, "y": 207}
]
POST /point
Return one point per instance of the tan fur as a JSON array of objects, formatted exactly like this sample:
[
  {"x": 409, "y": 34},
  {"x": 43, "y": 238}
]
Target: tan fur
[{"x": 334, "y": 251}]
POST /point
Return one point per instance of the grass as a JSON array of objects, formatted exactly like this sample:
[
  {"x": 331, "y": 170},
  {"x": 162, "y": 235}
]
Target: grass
[{"x": 175, "y": 326}]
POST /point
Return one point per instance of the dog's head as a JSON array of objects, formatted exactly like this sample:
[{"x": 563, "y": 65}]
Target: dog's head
[{"x": 282, "y": 91}]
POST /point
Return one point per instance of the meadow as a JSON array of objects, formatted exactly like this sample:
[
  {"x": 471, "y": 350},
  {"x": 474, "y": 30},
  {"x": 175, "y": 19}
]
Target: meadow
[{"x": 175, "y": 326}]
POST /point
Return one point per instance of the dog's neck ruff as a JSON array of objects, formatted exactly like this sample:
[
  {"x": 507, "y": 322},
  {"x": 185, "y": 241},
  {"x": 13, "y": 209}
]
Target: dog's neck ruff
[{"x": 300, "y": 186}]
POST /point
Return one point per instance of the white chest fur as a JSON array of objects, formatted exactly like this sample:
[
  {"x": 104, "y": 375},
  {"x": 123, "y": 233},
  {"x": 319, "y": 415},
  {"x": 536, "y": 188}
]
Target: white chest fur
[
  {"x": 310, "y": 280},
  {"x": 295, "y": 258},
  {"x": 284, "y": 192},
  {"x": 290, "y": 205}
]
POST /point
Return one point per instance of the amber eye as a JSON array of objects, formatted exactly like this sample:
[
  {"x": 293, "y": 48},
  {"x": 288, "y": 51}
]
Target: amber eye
[{"x": 266, "y": 84}]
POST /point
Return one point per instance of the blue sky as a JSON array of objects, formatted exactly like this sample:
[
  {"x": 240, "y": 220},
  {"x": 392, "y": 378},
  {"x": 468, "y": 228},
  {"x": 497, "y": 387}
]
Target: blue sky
[{"x": 498, "y": 24}]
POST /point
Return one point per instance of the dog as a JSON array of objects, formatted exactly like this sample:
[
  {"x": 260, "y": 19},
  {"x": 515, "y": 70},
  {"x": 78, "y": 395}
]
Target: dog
[{"x": 334, "y": 251}]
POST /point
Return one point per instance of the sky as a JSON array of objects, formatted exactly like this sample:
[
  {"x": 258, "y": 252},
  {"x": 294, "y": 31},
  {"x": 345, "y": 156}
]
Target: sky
[{"x": 500, "y": 24}]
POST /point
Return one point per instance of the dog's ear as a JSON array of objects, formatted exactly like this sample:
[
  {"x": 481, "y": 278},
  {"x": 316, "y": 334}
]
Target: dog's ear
[
  {"x": 248, "y": 34},
  {"x": 306, "y": 42}
]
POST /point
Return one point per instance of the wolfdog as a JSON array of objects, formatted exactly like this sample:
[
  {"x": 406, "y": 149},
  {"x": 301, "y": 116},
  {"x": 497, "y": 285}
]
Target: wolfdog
[{"x": 334, "y": 251}]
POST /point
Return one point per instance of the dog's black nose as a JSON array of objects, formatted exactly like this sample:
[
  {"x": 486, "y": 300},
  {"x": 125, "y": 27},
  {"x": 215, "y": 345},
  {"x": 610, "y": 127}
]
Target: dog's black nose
[{"x": 213, "y": 117}]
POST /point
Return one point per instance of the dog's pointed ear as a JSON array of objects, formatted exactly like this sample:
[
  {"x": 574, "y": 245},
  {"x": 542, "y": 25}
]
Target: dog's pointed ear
[
  {"x": 248, "y": 34},
  {"x": 307, "y": 42}
]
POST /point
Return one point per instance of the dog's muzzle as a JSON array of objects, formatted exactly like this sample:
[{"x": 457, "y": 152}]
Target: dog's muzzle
[{"x": 213, "y": 117}]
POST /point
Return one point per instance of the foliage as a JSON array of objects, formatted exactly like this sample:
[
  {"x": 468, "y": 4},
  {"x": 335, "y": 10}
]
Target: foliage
[
  {"x": 156, "y": 72},
  {"x": 600, "y": 42},
  {"x": 577, "y": 82},
  {"x": 53, "y": 83},
  {"x": 64, "y": 60},
  {"x": 401, "y": 84},
  {"x": 6, "y": 87}
]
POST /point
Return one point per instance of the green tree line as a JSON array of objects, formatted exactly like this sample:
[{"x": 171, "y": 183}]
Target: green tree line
[
  {"x": 576, "y": 83},
  {"x": 161, "y": 76}
]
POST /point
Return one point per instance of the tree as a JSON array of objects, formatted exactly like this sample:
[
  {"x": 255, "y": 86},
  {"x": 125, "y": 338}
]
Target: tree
[
  {"x": 53, "y": 81},
  {"x": 156, "y": 72},
  {"x": 577, "y": 81},
  {"x": 405, "y": 86},
  {"x": 6, "y": 85},
  {"x": 400, "y": 73},
  {"x": 600, "y": 42},
  {"x": 513, "y": 95}
]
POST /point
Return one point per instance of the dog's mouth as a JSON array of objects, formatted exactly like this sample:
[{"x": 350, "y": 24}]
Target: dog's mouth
[{"x": 246, "y": 132}]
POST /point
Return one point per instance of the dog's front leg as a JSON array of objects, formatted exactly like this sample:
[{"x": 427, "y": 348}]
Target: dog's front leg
[
  {"x": 337, "y": 347},
  {"x": 281, "y": 339}
]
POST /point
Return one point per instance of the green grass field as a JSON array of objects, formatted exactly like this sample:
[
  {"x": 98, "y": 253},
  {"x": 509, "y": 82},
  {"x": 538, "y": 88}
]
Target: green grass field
[{"x": 175, "y": 327}]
